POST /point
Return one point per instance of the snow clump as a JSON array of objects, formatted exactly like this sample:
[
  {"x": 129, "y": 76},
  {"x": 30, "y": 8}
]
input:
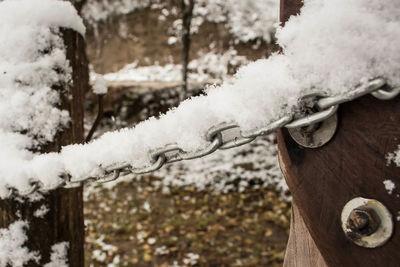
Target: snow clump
[
  {"x": 59, "y": 255},
  {"x": 389, "y": 186},
  {"x": 12, "y": 249},
  {"x": 394, "y": 157},
  {"x": 99, "y": 85}
]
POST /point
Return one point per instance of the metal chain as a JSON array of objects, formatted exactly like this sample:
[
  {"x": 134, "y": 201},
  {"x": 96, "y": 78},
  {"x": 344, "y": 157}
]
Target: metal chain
[{"x": 326, "y": 106}]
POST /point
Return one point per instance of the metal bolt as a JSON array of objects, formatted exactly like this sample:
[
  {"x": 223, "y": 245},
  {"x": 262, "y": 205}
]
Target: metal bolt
[
  {"x": 315, "y": 135},
  {"x": 367, "y": 222},
  {"x": 363, "y": 221}
]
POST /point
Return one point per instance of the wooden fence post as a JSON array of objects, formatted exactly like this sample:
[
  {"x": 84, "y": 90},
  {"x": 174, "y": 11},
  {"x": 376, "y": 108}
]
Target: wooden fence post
[
  {"x": 64, "y": 220},
  {"x": 323, "y": 180}
]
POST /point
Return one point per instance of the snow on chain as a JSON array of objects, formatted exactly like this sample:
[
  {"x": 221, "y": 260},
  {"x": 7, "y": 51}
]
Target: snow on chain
[{"x": 331, "y": 47}]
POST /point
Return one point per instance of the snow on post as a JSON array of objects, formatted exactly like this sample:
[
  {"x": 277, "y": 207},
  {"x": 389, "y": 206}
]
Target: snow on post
[
  {"x": 12, "y": 249},
  {"x": 99, "y": 85},
  {"x": 32, "y": 61},
  {"x": 394, "y": 157}
]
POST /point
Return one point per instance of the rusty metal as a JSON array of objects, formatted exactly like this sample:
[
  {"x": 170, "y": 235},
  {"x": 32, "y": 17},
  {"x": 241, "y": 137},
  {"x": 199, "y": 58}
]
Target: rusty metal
[
  {"x": 363, "y": 222},
  {"x": 367, "y": 222},
  {"x": 315, "y": 135}
]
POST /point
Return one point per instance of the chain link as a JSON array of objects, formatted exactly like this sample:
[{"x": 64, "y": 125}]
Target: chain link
[
  {"x": 322, "y": 108},
  {"x": 386, "y": 94}
]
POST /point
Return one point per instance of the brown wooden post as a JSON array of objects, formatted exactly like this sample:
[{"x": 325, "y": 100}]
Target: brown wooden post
[
  {"x": 64, "y": 220},
  {"x": 323, "y": 180}
]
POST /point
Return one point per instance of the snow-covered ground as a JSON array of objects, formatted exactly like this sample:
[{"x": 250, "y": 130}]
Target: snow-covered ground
[
  {"x": 245, "y": 19},
  {"x": 207, "y": 68}
]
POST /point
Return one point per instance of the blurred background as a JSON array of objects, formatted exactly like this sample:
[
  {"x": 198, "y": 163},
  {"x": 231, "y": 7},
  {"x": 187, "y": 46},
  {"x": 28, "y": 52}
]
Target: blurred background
[{"x": 229, "y": 209}]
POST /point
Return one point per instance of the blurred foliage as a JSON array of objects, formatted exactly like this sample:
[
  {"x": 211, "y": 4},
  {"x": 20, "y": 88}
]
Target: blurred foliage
[{"x": 133, "y": 224}]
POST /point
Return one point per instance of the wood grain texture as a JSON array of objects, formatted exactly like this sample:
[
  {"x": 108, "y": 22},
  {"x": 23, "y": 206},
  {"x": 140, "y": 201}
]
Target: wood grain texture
[
  {"x": 301, "y": 250},
  {"x": 64, "y": 220},
  {"x": 352, "y": 165}
]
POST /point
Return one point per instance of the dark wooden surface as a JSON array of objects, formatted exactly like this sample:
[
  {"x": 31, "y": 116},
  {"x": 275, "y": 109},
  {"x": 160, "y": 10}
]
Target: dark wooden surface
[
  {"x": 352, "y": 165},
  {"x": 289, "y": 8},
  {"x": 64, "y": 221},
  {"x": 323, "y": 180}
]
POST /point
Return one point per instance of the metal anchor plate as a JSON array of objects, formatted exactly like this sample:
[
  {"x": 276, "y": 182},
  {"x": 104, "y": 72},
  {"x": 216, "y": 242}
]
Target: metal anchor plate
[{"x": 315, "y": 135}]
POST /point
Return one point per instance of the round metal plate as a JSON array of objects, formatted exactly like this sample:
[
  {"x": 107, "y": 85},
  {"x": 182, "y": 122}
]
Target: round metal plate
[
  {"x": 322, "y": 135},
  {"x": 384, "y": 231}
]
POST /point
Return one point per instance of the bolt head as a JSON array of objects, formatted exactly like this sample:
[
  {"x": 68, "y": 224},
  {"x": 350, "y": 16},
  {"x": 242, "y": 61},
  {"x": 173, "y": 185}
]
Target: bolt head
[
  {"x": 362, "y": 222},
  {"x": 367, "y": 222}
]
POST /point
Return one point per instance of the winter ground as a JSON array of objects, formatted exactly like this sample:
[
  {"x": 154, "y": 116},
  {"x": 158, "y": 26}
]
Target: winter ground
[
  {"x": 228, "y": 209},
  {"x": 138, "y": 225}
]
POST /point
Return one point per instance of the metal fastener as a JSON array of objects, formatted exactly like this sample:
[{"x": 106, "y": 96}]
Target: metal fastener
[
  {"x": 317, "y": 127},
  {"x": 367, "y": 222}
]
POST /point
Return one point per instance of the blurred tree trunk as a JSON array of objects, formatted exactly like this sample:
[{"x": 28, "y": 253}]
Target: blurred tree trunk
[
  {"x": 64, "y": 220},
  {"x": 187, "y": 14}
]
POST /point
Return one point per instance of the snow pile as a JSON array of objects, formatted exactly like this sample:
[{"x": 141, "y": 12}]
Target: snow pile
[
  {"x": 12, "y": 249},
  {"x": 332, "y": 46},
  {"x": 389, "y": 186},
  {"x": 32, "y": 60},
  {"x": 207, "y": 68}
]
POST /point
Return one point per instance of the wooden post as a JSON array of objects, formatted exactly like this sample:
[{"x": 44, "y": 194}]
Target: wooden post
[
  {"x": 64, "y": 220},
  {"x": 323, "y": 180}
]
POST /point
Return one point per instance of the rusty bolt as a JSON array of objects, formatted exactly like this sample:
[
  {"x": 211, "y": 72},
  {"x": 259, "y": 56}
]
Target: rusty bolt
[
  {"x": 367, "y": 222},
  {"x": 363, "y": 222}
]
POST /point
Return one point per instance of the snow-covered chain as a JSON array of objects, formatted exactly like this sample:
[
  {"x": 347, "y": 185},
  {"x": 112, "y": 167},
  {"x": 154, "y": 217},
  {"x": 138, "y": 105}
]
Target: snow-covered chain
[
  {"x": 215, "y": 137},
  {"x": 332, "y": 48}
]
